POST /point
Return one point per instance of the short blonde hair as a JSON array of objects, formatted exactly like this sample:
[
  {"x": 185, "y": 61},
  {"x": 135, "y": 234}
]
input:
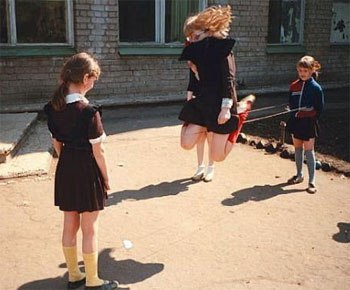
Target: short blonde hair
[{"x": 308, "y": 61}]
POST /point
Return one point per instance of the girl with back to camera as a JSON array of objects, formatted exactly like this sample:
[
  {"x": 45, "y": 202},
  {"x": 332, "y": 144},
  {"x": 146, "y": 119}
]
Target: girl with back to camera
[
  {"x": 306, "y": 96},
  {"x": 214, "y": 110},
  {"x": 81, "y": 179}
]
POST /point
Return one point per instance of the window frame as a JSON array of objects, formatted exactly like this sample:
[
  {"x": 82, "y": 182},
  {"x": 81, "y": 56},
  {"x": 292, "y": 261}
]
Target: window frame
[
  {"x": 14, "y": 49},
  {"x": 296, "y": 47},
  {"x": 158, "y": 46}
]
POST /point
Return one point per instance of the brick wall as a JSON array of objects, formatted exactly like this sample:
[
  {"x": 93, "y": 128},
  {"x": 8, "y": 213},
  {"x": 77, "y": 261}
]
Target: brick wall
[{"x": 32, "y": 79}]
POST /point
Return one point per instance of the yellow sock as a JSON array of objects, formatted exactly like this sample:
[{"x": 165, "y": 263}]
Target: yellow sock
[
  {"x": 91, "y": 262},
  {"x": 70, "y": 253}
]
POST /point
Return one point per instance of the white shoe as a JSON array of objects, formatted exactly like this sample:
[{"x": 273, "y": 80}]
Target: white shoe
[
  {"x": 199, "y": 173},
  {"x": 210, "y": 174},
  {"x": 245, "y": 104}
]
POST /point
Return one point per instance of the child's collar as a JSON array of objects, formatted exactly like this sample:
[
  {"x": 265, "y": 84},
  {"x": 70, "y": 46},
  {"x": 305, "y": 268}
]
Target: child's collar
[{"x": 75, "y": 97}]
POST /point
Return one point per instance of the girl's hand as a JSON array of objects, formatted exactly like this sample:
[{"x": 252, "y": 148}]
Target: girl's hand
[
  {"x": 106, "y": 185},
  {"x": 224, "y": 116},
  {"x": 189, "y": 95}
]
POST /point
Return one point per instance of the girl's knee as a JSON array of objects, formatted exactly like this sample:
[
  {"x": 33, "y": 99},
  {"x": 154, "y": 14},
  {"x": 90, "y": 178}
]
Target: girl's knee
[
  {"x": 88, "y": 231},
  {"x": 218, "y": 157},
  {"x": 187, "y": 145}
]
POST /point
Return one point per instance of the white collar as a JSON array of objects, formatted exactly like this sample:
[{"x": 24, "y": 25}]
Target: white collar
[{"x": 75, "y": 97}]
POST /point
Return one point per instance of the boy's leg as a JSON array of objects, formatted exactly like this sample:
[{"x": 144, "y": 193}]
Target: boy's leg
[
  {"x": 311, "y": 163},
  {"x": 299, "y": 156}
]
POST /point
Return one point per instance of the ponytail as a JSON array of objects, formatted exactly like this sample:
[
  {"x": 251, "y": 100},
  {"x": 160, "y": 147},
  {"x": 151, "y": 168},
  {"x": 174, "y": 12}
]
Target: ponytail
[
  {"x": 316, "y": 67},
  {"x": 58, "y": 100},
  {"x": 73, "y": 72}
]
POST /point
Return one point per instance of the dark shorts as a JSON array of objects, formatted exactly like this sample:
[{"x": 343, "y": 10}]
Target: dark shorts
[
  {"x": 303, "y": 128},
  {"x": 197, "y": 111}
]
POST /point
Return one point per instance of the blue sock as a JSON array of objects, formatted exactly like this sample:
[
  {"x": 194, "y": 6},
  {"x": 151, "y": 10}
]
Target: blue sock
[
  {"x": 311, "y": 165},
  {"x": 299, "y": 159}
]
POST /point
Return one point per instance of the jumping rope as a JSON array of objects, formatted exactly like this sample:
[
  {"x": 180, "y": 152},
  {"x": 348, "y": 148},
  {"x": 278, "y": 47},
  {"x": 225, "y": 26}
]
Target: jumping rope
[{"x": 286, "y": 111}]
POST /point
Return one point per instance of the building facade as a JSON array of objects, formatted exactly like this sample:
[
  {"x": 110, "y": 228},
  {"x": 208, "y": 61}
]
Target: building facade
[{"x": 137, "y": 44}]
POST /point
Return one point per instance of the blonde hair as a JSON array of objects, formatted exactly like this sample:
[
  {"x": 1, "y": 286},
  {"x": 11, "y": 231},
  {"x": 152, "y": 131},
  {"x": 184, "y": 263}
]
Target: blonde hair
[
  {"x": 309, "y": 62},
  {"x": 214, "y": 20},
  {"x": 73, "y": 71},
  {"x": 190, "y": 26}
]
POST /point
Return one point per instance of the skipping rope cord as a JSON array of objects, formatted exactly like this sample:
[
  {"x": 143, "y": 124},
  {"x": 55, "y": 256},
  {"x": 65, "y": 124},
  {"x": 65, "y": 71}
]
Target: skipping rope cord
[
  {"x": 272, "y": 115},
  {"x": 268, "y": 108}
]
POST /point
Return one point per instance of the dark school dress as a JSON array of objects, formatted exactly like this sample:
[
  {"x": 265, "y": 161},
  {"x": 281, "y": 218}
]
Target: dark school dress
[
  {"x": 78, "y": 180},
  {"x": 216, "y": 71},
  {"x": 305, "y": 126}
]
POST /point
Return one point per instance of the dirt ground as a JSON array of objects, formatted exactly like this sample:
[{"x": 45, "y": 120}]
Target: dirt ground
[{"x": 245, "y": 230}]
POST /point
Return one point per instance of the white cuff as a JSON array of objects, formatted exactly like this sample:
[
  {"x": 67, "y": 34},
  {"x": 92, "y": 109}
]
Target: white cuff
[
  {"x": 226, "y": 103},
  {"x": 99, "y": 139}
]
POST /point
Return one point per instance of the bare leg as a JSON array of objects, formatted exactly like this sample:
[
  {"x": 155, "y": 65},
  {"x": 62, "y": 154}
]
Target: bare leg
[
  {"x": 89, "y": 226},
  {"x": 200, "y": 159},
  {"x": 210, "y": 169},
  {"x": 210, "y": 158},
  {"x": 220, "y": 147},
  {"x": 191, "y": 135},
  {"x": 222, "y": 144},
  {"x": 71, "y": 224},
  {"x": 200, "y": 150}
]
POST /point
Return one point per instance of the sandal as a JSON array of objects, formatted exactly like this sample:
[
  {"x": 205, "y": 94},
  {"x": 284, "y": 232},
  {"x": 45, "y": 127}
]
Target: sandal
[
  {"x": 76, "y": 284},
  {"x": 295, "y": 179},
  {"x": 311, "y": 189},
  {"x": 107, "y": 285}
]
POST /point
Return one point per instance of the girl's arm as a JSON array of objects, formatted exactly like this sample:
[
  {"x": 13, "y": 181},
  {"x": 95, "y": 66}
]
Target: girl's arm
[
  {"x": 98, "y": 152},
  {"x": 229, "y": 94},
  {"x": 319, "y": 101},
  {"x": 57, "y": 145},
  {"x": 193, "y": 82},
  {"x": 192, "y": 85},
  {"x": 228, "y": 70}
]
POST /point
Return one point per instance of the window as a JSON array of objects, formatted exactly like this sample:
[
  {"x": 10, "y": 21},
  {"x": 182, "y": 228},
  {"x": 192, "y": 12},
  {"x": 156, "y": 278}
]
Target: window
[
  {"x": 340, "y": 27},
  {"x": 36, "y": 22},
  {"x": 156, "y": 21},
  {"x": 286, "y": 20}
]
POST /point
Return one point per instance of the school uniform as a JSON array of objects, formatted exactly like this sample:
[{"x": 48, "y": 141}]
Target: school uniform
[
  {"x": 213, "y": 59},
  {"x": 305, "y": 94},
  {"x": 78, "y": 180}
]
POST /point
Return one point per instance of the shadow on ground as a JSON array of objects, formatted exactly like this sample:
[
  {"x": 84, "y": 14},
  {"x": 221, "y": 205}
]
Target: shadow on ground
[
  {"x": 127, "y": 119},
  {"x": 124, "y": 271},
  {"x": 344, "y": 233},
  {"x": 258, "y": 193},
  {"x": 150, "y": 191}
]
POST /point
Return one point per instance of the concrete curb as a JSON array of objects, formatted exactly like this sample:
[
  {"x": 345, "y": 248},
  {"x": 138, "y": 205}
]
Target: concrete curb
[
  {"x": 33, "y": 158},
  {"x": 160, "y": 99}
]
